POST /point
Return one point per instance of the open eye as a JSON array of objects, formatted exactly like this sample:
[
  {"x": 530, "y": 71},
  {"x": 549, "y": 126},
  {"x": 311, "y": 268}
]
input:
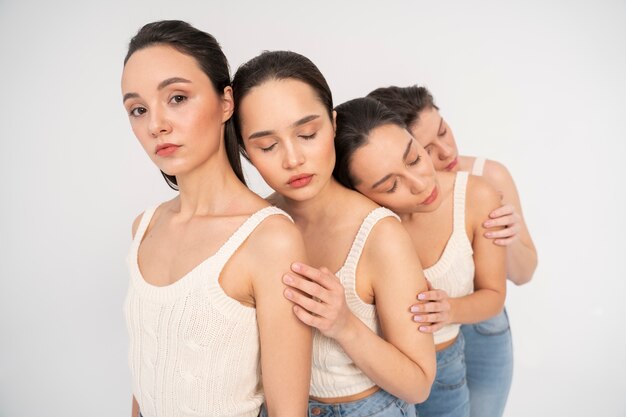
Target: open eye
[
  {"x": 137, "y": 111},
  {"x": 178, "y": 98}
]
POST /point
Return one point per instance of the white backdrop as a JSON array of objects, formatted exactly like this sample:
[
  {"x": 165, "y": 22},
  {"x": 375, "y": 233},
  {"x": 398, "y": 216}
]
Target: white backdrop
[{"x": 537, "y": 85}]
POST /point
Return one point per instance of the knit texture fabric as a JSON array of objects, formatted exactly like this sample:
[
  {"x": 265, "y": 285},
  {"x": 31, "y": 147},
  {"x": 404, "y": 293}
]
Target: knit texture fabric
[
  {"x": 454, "y": 271},
  {"x": 478, "y": 166},
  {"x": 334, "y": 374},
  {"x": 194, "y": 351}
]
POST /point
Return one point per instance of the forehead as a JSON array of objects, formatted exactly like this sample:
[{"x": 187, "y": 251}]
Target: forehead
[
  {"x": 381, "y": 155},
  {"x": 427, "y": 124},
  {"x": 149, "y": 66},
  {"x": 275, "y": 104}
]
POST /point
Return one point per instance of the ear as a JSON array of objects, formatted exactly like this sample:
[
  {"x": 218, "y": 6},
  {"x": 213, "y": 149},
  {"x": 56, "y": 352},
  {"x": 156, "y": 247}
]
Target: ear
[
  {"x": 334, "y": 121},
  {"x": 228, "y": 104}
]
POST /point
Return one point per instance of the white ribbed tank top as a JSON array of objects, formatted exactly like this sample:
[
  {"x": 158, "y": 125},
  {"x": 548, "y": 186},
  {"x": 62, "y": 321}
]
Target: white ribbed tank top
[
  {"x": 194, "y": 351},
  {"x": 333, "y": 373},
  {"x": 454, "y": 271}
]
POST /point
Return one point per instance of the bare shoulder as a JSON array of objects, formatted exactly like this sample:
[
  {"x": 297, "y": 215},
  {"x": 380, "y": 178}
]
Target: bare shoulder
[
  {"x": 388, "y": 240},
  {"x": 481, "y": 192},
  {"x": 276, "y": 238},
  {"x": 497, "y": 174}
]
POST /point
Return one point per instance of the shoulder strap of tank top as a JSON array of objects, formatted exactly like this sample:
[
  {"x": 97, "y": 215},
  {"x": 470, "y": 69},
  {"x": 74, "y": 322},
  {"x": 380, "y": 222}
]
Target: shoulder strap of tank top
[
  {"x": 478, "y": 166},
  {"x": 359, "y": 243},
  {"x": 241, "y": 234},
  {"x": 143, "y": 224},
  {"x": 460, "y": 188}
]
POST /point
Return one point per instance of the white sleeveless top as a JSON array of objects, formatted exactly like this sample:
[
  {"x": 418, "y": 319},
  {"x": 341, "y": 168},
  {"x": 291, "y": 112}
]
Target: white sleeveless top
[
  {"x": 334, "y": 374},
  {"x": 194, "y": 351},
  {"x": 478, "y": 166},
  {"x": 454, "y": 271}
]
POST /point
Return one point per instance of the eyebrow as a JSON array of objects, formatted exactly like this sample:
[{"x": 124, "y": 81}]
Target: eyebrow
[
  {"x": 386, "y": 177},
  {"x": 440, "y": 124},
  {"x": 300, "y": 122},
  {"x": 161, "y": 86}
]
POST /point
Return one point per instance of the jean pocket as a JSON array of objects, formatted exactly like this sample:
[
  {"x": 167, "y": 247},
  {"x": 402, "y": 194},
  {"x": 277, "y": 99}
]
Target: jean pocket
[
  {"x": 451, "y": 375},
  {"x": 494, "y": 326}
]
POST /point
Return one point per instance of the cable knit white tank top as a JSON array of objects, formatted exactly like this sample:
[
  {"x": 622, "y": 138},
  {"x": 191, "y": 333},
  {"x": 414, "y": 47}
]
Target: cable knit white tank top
[
  {"x": 334, "y": 374},
  {"x": 454, "y": 271},
  {"x": 194, "y": 351}
]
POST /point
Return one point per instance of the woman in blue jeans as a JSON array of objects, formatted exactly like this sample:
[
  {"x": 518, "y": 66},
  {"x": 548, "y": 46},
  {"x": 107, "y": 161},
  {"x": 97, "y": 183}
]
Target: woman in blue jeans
[
  {"x": 488, "y": 346},
  {"x": 443, "y": 213}
]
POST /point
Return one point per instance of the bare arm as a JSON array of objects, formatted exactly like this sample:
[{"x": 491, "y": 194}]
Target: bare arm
[
  {"x": 521, "y": 251},
  {"x": 135, "y": 408},
  {"x": 408, "y": 368},
  {"x": 285, "y": 341},
  {"x": 487, "y": 300}
]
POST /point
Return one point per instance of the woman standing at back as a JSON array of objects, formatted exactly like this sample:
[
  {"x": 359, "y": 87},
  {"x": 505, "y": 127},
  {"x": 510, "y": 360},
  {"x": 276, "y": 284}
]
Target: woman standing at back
[
  {"x": 205, "y": 308},
  {"x": 488, "y": 345},
  {"x": 443, "y": 214},
  {"x": 368, "y": 357}
]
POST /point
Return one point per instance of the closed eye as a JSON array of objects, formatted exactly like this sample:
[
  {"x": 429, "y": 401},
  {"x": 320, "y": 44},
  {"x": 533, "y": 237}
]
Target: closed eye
[
  {"x": 415, "y": 162},
  {"x": 308, "y": 137},
  {"x": 269, "y": 148},
  {"x": 393, "y": 188}
]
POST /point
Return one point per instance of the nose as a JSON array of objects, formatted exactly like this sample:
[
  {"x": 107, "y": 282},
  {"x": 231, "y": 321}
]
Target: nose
[
  {"x": 417, "y": 184},
  {"x": 158, "y": 124},
  {"x": 293, "y": 156},
  {"x": 445, "y": 151}
]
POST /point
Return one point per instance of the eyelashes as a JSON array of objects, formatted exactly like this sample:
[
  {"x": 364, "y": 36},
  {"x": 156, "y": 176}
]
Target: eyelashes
[
  {"x": 394, "y": 187},
  {"x": 415, "y": 162},
  {"x": 305, "y": 137}
]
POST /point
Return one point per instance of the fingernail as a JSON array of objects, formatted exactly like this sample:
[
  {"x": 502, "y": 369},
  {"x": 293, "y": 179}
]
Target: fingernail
[
  {"x": 287, "y": 279},
  {"x": 488, "y": 234},
  {"x": 418, "y": 318},
  {"x": 421, "y": 297},
  {"x": 488, "y": 224},
  {"x": 288, "y": 293},
  {"x": 415, "y": 309},
  {"x": 422, "y": 328},
  {"x": 296, "y": 266}
]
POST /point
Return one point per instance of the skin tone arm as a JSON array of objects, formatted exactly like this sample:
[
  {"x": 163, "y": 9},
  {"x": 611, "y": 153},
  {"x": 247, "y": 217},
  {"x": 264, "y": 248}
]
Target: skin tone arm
[
  {"x": 521, "y": 252},
  {"x": 487, "y": 300},
  {"x": 409, "y": 367},
  {"x": 286, "y": 342},
  {"x": 135, "y": 409}
]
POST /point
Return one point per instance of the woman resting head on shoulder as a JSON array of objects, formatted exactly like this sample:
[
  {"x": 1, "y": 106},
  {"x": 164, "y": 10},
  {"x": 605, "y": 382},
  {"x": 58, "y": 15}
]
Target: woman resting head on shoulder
[
  {"x": 363, "y": 273},
  {"x": 205, "y": 305},
  {"x": 378, "y": 157},
  {"x": 416, "y": 106}
]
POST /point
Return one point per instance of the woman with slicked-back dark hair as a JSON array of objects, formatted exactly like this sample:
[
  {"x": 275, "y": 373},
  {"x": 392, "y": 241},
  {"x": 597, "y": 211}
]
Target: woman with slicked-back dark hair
[
  {"x": 368, "y": 357},
  {"x": 443, "y": 214},
  {"x": 210, "y": 331},
  {"x": 488, "y": 345}
]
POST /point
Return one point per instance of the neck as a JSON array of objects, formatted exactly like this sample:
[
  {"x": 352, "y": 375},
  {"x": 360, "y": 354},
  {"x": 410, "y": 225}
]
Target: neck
[
  {"x": 211, "y": 189},
  {"x": 317, "y": 208}
]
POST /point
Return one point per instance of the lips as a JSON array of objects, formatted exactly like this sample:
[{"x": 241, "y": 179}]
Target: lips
[
  {"x": 432, "y": 197},
  {"x": 452, "y": 164},
  {"x": 166, "y": 149},
  {"x": 298, "y": 181}
]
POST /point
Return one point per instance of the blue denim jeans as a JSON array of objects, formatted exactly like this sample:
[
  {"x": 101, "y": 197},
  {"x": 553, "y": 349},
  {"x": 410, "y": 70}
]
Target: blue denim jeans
[
  {"x": 449, "y": 395},
  {"x": 379, "y": 404},
  {"x": 489, "y": 361}
]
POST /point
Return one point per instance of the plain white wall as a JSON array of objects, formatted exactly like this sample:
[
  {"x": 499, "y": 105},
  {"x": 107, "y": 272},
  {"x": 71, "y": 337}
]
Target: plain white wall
[{"x": 537, "y": 85}]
